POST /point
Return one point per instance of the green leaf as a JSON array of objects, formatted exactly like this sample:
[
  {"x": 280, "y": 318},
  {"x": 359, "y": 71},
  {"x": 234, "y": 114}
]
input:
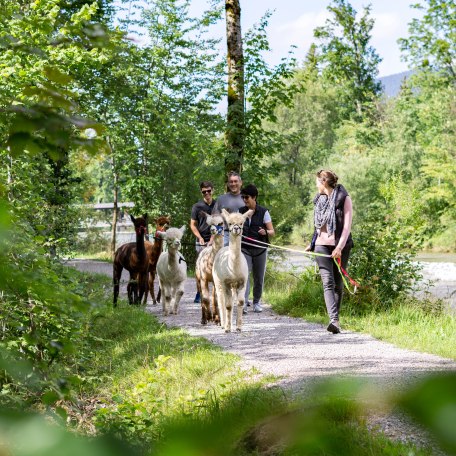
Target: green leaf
[
  {"x": 20, "y": 142},
  {"x": 56, "y": 75},
  {"x": 50, "y": 397}
]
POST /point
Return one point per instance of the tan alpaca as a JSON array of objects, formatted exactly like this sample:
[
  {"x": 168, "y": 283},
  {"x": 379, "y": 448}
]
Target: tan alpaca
[
  {"x": 230, "y": 271},
  {"x": 172, "y": 271},
  {"x": 203, "y": 270}
]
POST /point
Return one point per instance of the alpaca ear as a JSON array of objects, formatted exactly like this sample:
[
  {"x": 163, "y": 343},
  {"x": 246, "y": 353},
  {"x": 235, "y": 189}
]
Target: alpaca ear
[
  {"x": 161, "y": 234},
  {"x": 248, "y": 214},
  {"x": 182, "y": 229},
  {"x": 132, "y": 218},
  {"x": 145, "y": 216},
  {"x": 225, "y": 214}
]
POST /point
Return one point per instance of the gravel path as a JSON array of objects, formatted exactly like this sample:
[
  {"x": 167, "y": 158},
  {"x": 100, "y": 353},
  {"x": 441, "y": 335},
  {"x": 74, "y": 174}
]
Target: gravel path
[{"x": 297, "y": 353}]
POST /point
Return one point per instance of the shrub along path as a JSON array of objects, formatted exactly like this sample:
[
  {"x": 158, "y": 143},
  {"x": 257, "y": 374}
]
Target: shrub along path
[{"x": 297, "y": 353}]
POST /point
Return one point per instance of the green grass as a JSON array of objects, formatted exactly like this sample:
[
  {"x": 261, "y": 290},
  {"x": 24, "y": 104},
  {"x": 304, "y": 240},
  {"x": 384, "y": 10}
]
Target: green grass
[
  {"x": 146, "y": 375},
  {"x": 165, "y": 392},
  {"x": 420, "y": 325},
  {"x": 100, "y": 256}
]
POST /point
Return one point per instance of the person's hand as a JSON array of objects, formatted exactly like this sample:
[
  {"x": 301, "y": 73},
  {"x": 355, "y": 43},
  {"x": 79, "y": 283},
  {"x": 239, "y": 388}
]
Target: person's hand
[
  {"x": 262, "y": 231},
  {"x": 308, "y": 248},
  {"x": 337, "y": 252},
  {"x": 201, "y": 241}
]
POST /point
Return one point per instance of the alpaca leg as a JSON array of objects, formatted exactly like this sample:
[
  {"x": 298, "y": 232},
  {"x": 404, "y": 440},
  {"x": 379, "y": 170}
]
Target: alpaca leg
[
  {"x": 178, "y": 295},
  {"x": 163, "y": 303},
  {"x": 117, "y": 274},
  {"x": 240, "y": 292},
  {"x": 215, "y": 307},
  {"x": 142, "y": 287},
  {"x": 205, "y": 302},
  {"x": 220, "y": 300},
  {"x": 228, "y": 296},
  {"x": 146, "y": 289},
  {"x": 151, "y": 287},
  {"x": 166, "y": 298},
  {"x": 132, "y": 289}
]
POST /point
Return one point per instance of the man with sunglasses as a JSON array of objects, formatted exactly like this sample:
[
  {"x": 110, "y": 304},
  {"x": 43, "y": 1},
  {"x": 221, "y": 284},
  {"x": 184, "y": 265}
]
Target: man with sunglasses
[
  {"x": 231, "y": 200},
  {"x": 198, "y": 224}
]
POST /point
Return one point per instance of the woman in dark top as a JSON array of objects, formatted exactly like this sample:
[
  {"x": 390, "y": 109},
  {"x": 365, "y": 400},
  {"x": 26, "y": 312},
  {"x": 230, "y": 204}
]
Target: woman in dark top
[
  {"x": 258, "y": 228},
  {"x": 333, "y": 212}
]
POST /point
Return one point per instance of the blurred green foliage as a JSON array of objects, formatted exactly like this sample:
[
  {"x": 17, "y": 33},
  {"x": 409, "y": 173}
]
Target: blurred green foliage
[{"x": 80, "y": 103}]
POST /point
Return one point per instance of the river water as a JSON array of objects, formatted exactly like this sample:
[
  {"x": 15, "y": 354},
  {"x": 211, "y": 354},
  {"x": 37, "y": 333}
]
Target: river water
[{"x": 438, "y": 269}]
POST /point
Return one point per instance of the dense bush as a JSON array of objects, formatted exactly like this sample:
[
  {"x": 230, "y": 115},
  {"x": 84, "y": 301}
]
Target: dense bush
[
  {"x": 380, "y": 264},
  {"x": 44, "y": 310}
]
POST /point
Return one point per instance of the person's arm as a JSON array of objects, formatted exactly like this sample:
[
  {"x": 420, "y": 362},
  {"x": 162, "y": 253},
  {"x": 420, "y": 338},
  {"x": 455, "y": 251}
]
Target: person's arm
[
  {"x": 269, "y": 230},
  {"x": 195, "y": 231},
  {"x": 348, "y": 216}
]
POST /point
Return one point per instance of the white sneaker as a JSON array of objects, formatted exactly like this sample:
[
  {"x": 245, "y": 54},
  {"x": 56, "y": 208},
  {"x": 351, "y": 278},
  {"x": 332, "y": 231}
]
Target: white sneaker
[{"x": 257, "y": 308}]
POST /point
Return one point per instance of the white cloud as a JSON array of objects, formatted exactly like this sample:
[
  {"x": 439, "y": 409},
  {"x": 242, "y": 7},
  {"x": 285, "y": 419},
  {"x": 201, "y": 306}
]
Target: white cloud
[
  {"x": 387, "y": 29},
  {"x": 387, "y": 26},
  {"x": 299, "y": 31}
]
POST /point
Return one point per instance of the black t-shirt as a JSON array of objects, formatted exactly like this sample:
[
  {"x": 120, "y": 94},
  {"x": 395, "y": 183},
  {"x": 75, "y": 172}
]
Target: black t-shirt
[{"x": 200, "y": 218}]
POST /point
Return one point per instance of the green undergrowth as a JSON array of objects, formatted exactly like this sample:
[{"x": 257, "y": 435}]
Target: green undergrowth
[
  {"x": 146, "y": 375},
  {"x": 138, "y": 387},
  {"x": 417, "y": 324},
  {"x": 167, "y": 393}
]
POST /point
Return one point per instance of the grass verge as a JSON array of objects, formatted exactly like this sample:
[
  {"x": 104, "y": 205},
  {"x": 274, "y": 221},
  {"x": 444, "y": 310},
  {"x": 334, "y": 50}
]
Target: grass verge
[
  {"x": 165, "y": 392},
  {"x": 416, "y": 324}
]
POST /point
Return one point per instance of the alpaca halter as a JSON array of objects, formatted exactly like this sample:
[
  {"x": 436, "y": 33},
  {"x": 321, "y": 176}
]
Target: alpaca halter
[
  {"x": 217, "y": 230},
  {"x": 173, "y": 243},
  {"x": 236, "y": 229}
]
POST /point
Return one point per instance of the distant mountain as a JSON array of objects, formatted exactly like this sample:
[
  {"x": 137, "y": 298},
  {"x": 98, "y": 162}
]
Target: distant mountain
[{"x": 391, "y": 84}]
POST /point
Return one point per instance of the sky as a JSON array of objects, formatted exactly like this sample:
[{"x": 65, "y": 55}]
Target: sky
[{"x": 293, "y": 22}]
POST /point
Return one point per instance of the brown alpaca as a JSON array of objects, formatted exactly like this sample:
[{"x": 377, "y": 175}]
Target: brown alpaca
[
  {"x": 203, "y": 270},
  {"x": 154, "y": 249},
  {"x": 132, "y": 257}
]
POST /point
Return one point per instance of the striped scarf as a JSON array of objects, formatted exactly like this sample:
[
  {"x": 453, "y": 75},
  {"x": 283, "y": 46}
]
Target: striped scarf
[{"x": 325, "y": 212}]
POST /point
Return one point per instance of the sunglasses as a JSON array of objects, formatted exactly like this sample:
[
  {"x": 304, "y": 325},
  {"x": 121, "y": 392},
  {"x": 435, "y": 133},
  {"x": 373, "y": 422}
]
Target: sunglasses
[{"x": 206, "y": 191}]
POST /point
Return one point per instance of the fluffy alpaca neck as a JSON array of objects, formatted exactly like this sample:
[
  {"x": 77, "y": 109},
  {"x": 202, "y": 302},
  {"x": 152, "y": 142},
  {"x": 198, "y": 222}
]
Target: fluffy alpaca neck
[
  {"x": 157, "y": 245},
  {"x": 173, "y": 258},
  {"x": 140, "y": 247},
  {"x": 235, "y": 250},
  {"x": 217, "y": 245}
]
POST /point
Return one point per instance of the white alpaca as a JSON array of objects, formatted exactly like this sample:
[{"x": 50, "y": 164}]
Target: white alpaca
[
  {"x": 230, "y": 271},
  {"x": 172, "y": 270},
  {"x": 203, "y": 270}
]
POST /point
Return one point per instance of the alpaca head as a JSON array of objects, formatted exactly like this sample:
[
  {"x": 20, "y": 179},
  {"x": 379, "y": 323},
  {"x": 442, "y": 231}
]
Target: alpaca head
[
  {"x": 215, "y": 222},
  {"x": 162, "y": 222},
  {"x": 235, "y": 221},
  {"x": 140, "y": 224},
  {"x": 173, "y": 237}
]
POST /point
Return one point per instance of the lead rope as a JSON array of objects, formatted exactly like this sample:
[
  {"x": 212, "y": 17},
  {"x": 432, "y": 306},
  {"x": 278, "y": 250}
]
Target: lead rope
[
  {"x": 344, "y": 274},
  {"x": 342, "y": 271}
]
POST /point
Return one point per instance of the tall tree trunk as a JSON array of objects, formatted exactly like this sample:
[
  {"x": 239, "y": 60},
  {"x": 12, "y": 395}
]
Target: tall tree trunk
[
  {"x": 114, "y": 217},
  {"x": 235, "y": 132},
  {"x": 116, "y": 203}
]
